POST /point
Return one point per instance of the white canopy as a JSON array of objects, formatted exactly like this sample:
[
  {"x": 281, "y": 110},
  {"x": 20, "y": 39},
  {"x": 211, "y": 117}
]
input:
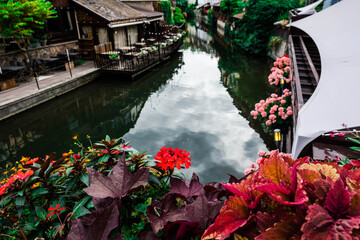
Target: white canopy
[
  {"x": 336, "y": 32},
  {"x": 309, "y": 9}
]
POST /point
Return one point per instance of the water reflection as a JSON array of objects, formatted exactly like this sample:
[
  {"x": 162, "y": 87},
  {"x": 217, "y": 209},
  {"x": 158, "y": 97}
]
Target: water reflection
[
  {"x": 107, "y": 106},
  {"x": 199, "y": 101}
]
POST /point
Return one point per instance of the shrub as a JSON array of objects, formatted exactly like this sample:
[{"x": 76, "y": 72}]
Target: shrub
[
  {"x": 291, "y": 199},
  {"x": 178, "y": 17}
]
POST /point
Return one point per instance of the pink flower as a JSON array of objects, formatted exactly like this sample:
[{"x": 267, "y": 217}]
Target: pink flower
[
  {"x": 263, "y": 114},
  {"x": 281, "y": 109},
  {"x": 261, "y": 109},
  {"x": 247, "y": 171},
  {"x": 289, "y": 112},
  {"x": 272, "y": 111},
  {"x": 282, "y": 101},
  {"x": 261, "y": 153},
  {"x": 268, "y": 122},
  {"x": 273, "y": 95},
  {"x": 340, "y": 134},
  {"x": 252, "y": 165},
  {"x": 272, "y": 117}
]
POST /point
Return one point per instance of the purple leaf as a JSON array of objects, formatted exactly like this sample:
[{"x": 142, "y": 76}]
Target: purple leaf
[
  {"x": 320, "y": 225},
  {"x": 164, "y": 211},
  {"x": 182, "y": 230},
  {"x": 338, "y": 199},
  {"x": 203, "y": 211},
  {"x": 103, "y": 221},
  {"x": 185, "y": 189},
  {"x": 148, "y": 236},
  {"x": 265, "y": 221},
  {"x": 118, "y": 184},
  {"x": 214, "y": 191}
]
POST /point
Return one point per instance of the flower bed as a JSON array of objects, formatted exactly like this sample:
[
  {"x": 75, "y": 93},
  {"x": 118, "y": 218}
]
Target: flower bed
[
  {"x": 143, "y": 198},
  {"x": 281, "y": 70},
  {"x": 275, "y": 111}
]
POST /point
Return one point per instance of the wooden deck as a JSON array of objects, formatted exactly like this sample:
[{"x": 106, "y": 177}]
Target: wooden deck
[{"x": 135, "y": 61}]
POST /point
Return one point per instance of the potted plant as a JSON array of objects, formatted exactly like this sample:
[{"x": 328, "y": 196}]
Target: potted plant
[{"x": 43, "y": 40}]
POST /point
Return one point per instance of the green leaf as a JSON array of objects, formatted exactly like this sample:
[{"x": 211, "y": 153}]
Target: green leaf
[
  {"x": 354, "y": 140},
  {"x": 39, "y": 191},
  {"x": 104, "y": 158},
  {"x": 20, "y": 193},
  {"x": 81, "y": 211},
  {"x": 356, "y": 148},
  {"x": 107, "y": 138},
  {"x": 40, "y": 212},
  {"x": 68, "y": 171},
  {"x": 84, "y": 177},
  {"x": 20, "y": 201}
]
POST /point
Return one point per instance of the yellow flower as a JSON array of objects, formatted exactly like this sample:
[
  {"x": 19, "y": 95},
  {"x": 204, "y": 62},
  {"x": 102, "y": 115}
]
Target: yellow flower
[
  {"x": 35, "y": 185},
  {"x": 92, "y": 149},
  {"x": 5, "y": 172},
  {"x": 87, "y": 136},
  {"x": 75, "y": 137}
]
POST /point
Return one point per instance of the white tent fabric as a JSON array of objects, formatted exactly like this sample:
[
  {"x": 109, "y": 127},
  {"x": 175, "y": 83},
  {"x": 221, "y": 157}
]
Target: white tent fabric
[
  {"x": 336, "y": 32},
  {"x": 309, "y": 9}
]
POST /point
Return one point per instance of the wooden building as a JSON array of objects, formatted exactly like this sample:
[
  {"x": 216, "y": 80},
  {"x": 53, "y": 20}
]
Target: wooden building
[
  {"x": 123, "y": 23},
  {"x": 63, "y": 28}
]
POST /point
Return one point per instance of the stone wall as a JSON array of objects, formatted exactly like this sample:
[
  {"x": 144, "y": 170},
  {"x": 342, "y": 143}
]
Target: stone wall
[
  {"x": 40, "y": 52},
  {"x": 278, "y": 51}
]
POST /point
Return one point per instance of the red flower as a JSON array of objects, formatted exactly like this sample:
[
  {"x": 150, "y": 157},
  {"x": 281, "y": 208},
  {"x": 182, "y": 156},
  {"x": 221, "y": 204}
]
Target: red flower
[
  {"x": 76, "y": 156},
  {"x": 55, "y": 210},
  {"x": 22, "y": 176},
  {"x": 32, "y": 161},
  {"x": 6, "y": 185},
  {"x": 170, "y": 158}
]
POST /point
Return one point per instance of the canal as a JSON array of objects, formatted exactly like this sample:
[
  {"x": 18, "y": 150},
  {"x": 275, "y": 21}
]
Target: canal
[{"x": 199, "y": 101}]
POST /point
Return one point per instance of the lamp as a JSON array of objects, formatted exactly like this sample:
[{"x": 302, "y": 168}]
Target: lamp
[
  {"x": 282, "y": 82},
  {"x": 277, "y": 137}
]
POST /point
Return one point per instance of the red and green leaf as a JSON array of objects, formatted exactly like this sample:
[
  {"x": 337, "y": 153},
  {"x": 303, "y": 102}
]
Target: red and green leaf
[{"x": 233, "y": 215}]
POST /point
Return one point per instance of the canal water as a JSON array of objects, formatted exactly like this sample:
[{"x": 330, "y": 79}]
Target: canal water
[{"x": 199, "y": 101}]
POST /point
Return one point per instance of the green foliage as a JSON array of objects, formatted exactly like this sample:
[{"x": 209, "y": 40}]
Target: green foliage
[
  {"x": 165, "y": 7},
  {"x": 275, "y": 42},
  {"x": 178, "y": 17},
  {"x": 256, "y": 27},
  {"x": 20, "y": 19},
  {"x": 210, "y": 17},
  {"x": 189, "y": 10},
  {"x": 231, "y": 7},
  {"x": 182, "y": 4}
]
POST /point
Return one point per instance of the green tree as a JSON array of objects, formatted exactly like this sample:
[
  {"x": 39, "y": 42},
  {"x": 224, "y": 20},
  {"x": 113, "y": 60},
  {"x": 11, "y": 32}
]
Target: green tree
[
  {"x": 257, "y": 26},
  {"x": 165, "y": 7},
  {"x": 178, "y": 16},
  {"x": 20, "y": 18}
]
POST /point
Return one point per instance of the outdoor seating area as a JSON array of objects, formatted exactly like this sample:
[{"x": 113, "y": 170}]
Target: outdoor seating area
[
  {"x": 21, "y": 72},
  {"x": 130, "y": 59}
]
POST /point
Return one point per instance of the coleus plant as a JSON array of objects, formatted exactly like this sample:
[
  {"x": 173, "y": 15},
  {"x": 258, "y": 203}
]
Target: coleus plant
[{"x": 291, "y": 199}]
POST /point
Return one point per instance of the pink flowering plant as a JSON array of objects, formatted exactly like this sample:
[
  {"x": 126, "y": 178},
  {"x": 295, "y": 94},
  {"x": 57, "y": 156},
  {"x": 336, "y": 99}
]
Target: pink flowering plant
[
  {"x": 280, "y": 70},
  {"x": 275, "y": 111}
]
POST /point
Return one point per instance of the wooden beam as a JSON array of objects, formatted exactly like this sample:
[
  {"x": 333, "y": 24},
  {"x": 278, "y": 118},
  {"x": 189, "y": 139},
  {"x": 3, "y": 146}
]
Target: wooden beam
[
  {"x": 311, "y": 64},
  {"x": 296, "y": 73}
]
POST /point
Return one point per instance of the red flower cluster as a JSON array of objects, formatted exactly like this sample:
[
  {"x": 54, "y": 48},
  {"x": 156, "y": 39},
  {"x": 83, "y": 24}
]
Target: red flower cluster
[{"x": 168, "y": 157}]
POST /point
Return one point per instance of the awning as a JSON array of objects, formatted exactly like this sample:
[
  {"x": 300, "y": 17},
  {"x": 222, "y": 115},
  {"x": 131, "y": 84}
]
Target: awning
[
  {"x": 336, "y": 32},
  {"x": 309, "y": 9}
]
